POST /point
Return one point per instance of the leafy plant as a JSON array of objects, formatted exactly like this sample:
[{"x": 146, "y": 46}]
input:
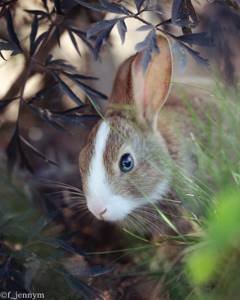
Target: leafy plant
[
  {"x": 30, "y": 255},
  {"x": 57, "y": 19},
  {"x": 25, "y": 242}
]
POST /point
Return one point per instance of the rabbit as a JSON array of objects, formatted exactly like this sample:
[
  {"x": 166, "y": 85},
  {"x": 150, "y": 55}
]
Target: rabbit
[{"x": 125, "y": 165}]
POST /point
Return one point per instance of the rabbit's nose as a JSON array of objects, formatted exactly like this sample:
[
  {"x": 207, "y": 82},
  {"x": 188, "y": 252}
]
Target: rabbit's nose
[{"x": 97, "y": 209}]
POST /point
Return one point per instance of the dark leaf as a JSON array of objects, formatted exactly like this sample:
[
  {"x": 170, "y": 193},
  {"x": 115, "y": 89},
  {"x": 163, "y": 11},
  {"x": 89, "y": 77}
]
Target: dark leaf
[
  {"x": 43, "y": 94},
  {"x": 5, "y": 45},
  {"x": 148, "y": 46},
  {"x": 196, "y": 55},
  {"x": 102, "y": 37},
  {"x": 12, "y": 151},
  {"x": 76, "y": 76},
  {"x": 6, "y": 102},
  {"x": 74, "y": 42},
  {"x": 113, "y": 7},
  {"x": 154, "y": 7},
  {"x": 59, "y": 64},
  {"x": 39, "y": 40},
  {"x": 82, "y": 35},
  {"x": 102, "y": 30},
  {"x": 139, "y": 4},
  {"x": 8, "y": 45},
  {"x": 122, "y": 29},
  {"x": 176, "y": 9},
  {"x": 77, "y": 116},
  {"x": 192, "y": 14},
  {"x": 145, "y": 27},
  {"x": 36, "y": 152},
  {"x": 15, "y": 153},
  {"x": 47, "y": 116},
  {"x": 67, "y": 90},
  {"x": 102, "y": 26},
  {"x": 33, "y": 34},
  {"x": 141, "y": 46},
  {"x": 75, "y": 30},
  {"x": 183, "y": 14},
  {"x": 11, "y": 32},
  {"x": 57, "y": 4},
  {"x": 45, "y": 4},
  {"x": 90, "y": 92},
  {"x": 199, "y": 39},
  {"x": 184, "y": 23},
  {"x": 56, "y": 119},
  {"x": 57, "y": 34},
  {"x": 165, "y": 22},
  {"x": 71, "y": 110},
  {"x": 37, "y": 12},
  {"x": 92, "y": 6},
  {"x": 75, "y": 119},
  {"x": 1, "y": 55}
]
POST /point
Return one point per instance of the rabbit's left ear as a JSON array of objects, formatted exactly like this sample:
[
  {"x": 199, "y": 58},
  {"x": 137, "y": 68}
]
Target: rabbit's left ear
[{"x": 150, "y": 89}]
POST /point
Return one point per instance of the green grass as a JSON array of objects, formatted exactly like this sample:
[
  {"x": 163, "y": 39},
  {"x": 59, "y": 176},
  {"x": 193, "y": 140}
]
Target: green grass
[
  {"x": 207, "y": 266},
  {"x": 32, "y": 257},
  {"x": 205, "y": 263}
]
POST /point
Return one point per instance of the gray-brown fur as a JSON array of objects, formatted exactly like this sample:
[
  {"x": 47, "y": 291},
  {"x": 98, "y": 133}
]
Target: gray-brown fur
[
  {"x": 86, "y": 154},
  {"x": 156, "y": 140},
  {"x": 151, "y": 158}
]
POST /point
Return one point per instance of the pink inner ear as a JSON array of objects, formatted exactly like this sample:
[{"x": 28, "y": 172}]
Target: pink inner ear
[{"x": 139, "y": 86}]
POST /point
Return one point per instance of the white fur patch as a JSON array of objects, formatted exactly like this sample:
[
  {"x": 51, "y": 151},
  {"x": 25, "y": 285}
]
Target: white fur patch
[{"x": 99, "y": 194}]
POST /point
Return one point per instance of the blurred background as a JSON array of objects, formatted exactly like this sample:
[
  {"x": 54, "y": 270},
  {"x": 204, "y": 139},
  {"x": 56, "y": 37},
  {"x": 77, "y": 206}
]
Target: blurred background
[{"x": 50, "y": 99}]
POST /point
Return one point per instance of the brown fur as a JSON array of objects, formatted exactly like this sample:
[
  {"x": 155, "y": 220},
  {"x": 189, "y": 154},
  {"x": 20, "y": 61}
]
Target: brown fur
[
  {"x": 144, "y": 177},
  {"x": 86, "y": 154},
  {"x": 133, "y": 116}
]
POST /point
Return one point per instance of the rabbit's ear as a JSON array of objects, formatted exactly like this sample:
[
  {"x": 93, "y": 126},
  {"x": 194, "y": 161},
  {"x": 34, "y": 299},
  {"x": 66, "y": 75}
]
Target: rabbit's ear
[
  {"x": 151, "y": 88},
  {"x": 122, "y": 87},
  {"x": 146, "y": 90}
]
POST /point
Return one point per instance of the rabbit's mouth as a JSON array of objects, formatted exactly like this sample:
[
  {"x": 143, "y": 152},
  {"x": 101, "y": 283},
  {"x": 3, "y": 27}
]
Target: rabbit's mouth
[{"x": 114, "y": 208}]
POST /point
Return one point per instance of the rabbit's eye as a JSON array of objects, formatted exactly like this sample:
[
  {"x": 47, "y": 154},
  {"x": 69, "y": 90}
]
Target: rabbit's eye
[{"x": 126, "y": 163}]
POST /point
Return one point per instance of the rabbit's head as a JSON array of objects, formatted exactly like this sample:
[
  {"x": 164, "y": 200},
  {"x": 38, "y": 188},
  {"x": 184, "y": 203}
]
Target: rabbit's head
[{"x": 124, "y": 165}]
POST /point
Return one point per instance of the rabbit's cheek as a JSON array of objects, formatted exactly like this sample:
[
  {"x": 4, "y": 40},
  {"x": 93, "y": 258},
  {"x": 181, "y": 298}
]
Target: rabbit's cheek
[
  {"x": 102, "y": 202},
  {"x": 113, "y": 209}
]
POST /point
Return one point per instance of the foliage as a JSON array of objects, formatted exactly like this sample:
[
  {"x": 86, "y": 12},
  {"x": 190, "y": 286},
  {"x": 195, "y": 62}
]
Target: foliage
[
  {"x": 57, "y": 17},
  {"x": 211, "y": 263},
  {"x": 30, "y": 254},
  {"x": 25, "y": 242},
  {"x": 205, "y": 267}
]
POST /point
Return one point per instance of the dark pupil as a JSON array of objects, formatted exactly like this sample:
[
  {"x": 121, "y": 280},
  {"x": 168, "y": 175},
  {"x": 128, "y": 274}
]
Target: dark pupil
[{"x": 126, "y": 163}]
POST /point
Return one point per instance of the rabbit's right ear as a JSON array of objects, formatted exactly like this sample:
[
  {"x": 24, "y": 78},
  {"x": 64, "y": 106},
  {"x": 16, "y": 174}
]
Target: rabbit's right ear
[
  {"x": 122, "y": 87},
  {"x": 145, "y": 90}
]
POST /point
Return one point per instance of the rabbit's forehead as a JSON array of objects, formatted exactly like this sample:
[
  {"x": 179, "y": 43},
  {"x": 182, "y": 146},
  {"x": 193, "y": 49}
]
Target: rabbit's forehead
[
  {"x": 112, "y": 137},
  {"x": 98, "y": 175},
  {"x": 121, "y": 137}
]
